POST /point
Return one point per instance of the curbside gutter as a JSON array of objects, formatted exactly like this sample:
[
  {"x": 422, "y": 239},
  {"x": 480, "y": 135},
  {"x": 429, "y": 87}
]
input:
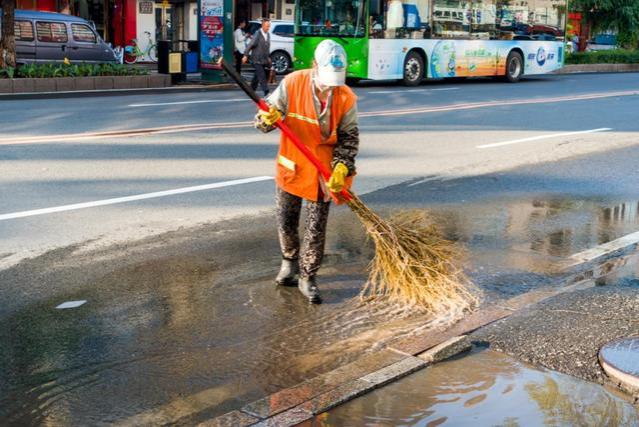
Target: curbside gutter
[{"x": 302, "y": 402}]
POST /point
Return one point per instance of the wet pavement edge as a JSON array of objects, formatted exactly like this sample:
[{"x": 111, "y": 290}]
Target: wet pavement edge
[{"x": 300, "y": 403}]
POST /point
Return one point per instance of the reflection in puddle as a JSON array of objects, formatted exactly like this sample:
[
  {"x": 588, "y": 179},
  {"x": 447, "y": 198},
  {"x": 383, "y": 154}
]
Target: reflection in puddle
[
  {"x": 484, "y": 388},
  {"x": 202, "y": 330},
  {"x": 516, "y": 245}
]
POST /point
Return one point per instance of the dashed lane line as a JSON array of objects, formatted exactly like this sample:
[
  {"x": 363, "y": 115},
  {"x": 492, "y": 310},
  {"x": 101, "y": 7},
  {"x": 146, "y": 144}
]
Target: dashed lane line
[
  {"x": 411, "y": 90},
  {"x": 542, "y": 137},
  {"x": 399, "y": 112},
  {"x": 87, "y": 136},
  {"x": 201, "y": 101},
  {"x": 117, "y": 200},
  {"x": 490, "y": 104}
]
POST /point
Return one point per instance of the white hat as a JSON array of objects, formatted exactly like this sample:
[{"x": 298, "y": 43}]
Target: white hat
[{"x": 331, "y": 63}]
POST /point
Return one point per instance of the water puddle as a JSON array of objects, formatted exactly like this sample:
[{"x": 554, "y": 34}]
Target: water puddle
[
  {"x": 191, "y": 326},
  {"x": 485, "y": 388}
]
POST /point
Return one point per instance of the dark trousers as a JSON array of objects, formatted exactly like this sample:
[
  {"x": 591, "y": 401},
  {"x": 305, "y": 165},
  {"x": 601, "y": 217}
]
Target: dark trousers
[
  {"x": 260, "y": 77},
  {"x": 310, "y": 255},
  {"x": 238, "y": 61}
]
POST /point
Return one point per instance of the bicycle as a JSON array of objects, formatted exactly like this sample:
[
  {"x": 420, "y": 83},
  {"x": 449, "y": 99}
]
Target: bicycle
[{"x": 133, "y": 53}]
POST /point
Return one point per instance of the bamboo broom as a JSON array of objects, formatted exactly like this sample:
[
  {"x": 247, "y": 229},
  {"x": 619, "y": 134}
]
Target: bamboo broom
[{"x": 414, "y": 265}]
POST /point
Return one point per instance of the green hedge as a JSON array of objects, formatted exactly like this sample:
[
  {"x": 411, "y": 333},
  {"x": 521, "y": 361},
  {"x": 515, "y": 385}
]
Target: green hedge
[
  {"x": 44, "y": 71},
  {"x": 613, "y": 56}
]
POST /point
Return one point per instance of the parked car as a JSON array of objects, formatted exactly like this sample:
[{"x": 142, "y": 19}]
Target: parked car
[
  {"x": 51, "y": 37},
  {"x": 281, "y": 43},
  {"x": 602, "y": 42}
]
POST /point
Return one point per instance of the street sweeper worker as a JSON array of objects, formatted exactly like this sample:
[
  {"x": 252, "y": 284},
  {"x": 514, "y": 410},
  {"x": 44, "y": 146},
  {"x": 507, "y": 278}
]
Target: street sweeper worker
[{"x": 322, "y": 111}]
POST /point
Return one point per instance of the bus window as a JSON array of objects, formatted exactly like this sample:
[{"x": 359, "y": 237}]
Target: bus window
[
  {"x": 548, "y": 20},
  {"x": 512, "y": 20},
  {"x": 484, "y": 15},
  {"x": 344, "y": 18},
  {"x": 451, "y": 19},
  {"x": 539, "y": 19},
  {"x": 396, "y": 19}
]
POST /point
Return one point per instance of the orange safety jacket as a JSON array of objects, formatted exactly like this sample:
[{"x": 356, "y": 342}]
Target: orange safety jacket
[{"x": 295, "y": 174}]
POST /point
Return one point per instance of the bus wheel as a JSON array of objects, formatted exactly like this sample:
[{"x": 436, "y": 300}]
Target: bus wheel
[
  {"x": 514, "y": 67},
  {"x": 413, "y": 69}
]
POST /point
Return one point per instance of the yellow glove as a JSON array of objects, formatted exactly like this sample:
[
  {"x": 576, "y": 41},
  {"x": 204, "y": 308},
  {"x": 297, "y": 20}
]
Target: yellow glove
[
  {"x": 270, "y": 117},
  {"x": 338, "y": 177}
]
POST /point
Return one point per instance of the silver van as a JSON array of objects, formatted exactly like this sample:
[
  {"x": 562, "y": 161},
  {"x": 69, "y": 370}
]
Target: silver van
[{"x": 43, "y": 37}]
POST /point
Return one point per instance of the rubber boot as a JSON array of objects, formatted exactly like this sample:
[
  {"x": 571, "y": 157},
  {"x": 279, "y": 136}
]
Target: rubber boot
[
  {"x": 288, "y": 271},
  {"x": 309, "y": 289}
]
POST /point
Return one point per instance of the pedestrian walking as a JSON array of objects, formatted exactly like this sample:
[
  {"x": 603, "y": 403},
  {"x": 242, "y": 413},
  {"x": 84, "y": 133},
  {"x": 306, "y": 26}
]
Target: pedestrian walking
[
  {"x": 240, "y": 37},
  {"x": 318, "y": 106},
  {"x": 259, "y": 51}
]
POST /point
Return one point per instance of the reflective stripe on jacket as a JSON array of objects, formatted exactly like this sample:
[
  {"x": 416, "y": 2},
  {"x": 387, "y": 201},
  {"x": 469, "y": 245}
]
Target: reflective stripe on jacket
[{"x": 295, "y": 174}]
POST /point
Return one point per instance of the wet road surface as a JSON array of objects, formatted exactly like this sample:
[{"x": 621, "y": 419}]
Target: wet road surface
[
  {"x": 188, "y": 325},
  {"x": 433, "y": 136},
  {"x": 182, "y": 321}
]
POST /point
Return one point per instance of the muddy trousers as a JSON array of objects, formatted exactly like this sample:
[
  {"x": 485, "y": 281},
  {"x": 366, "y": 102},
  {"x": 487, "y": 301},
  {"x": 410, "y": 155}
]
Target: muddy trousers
[{"x": 310, "y": 255}]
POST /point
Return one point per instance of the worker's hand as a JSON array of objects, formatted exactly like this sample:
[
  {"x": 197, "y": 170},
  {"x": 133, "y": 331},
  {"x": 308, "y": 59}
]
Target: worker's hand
[
  {"x": 270, "y": 117},
  {"x": 244, "y": 59},
  {"x": 338, "y": 178}
]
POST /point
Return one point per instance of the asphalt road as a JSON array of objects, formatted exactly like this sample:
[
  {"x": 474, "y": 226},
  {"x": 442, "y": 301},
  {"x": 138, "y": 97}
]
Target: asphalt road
[
  {"x": 407, "y": 134},
  {"x": 182, "y": 326}
]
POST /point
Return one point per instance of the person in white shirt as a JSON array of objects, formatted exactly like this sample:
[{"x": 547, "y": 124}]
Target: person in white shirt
[{"x": 240, "y": 37}]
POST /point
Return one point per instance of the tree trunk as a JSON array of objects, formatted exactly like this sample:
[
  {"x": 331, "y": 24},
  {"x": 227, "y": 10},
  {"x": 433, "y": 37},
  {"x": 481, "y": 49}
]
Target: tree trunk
[{"x": 7, "y": 38}]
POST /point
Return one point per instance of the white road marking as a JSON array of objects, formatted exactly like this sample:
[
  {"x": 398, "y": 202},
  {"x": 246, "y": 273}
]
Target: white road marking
[
  {"x": 133, "y": 198},
  {"x": 202, "y": 101},
  {"x": 71, "y": 304},
  {"x": 85, "y": 136},
  {"x": 604, "y": 249},
  {"x": 412, "y": 90},
  {"x": 492, "y": 104},
  {"x": 88, "y": 136},
  {"x": 540, "y": 137}
]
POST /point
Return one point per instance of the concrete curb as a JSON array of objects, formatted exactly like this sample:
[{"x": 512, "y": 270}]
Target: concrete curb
[
  {"x": 302, "y": 402},
  {"x": 598, "y": 68},
  {"x": 568, "y": 69}
]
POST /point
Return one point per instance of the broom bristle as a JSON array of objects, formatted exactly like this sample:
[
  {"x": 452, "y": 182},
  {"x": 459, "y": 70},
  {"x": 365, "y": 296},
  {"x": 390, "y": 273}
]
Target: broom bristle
[{"x": 414, "y": 265}]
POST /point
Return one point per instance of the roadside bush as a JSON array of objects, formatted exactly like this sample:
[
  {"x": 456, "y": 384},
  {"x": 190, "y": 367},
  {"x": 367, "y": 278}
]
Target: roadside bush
[
  {"x": 8, "y": 72},
  {"x": 614, "y": 56},
  {"x": 44, "y": 71}
]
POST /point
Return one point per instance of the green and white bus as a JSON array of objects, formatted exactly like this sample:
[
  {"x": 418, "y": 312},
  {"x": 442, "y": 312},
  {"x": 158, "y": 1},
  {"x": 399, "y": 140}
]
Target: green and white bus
[{"x": 415, "y": 39}]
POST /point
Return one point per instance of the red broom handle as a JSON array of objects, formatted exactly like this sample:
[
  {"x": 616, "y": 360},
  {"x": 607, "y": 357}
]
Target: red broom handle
[{"x": 323, "y": 170}]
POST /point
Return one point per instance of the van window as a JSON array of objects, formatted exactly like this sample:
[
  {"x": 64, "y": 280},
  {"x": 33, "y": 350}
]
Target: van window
[
  {"x": 23, "y": 31},
  {"x": 82, "y": 33},
  {"x": 52, "y": 32},
  {"x": 283, "y": 30}
]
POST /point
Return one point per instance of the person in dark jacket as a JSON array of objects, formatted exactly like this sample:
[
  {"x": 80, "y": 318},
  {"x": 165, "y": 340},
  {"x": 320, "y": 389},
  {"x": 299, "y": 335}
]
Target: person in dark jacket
[{"x": 259, "y": 50}]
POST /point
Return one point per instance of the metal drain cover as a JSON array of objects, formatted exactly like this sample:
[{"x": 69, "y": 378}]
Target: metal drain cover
[{"x": 620, "y": 360}]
